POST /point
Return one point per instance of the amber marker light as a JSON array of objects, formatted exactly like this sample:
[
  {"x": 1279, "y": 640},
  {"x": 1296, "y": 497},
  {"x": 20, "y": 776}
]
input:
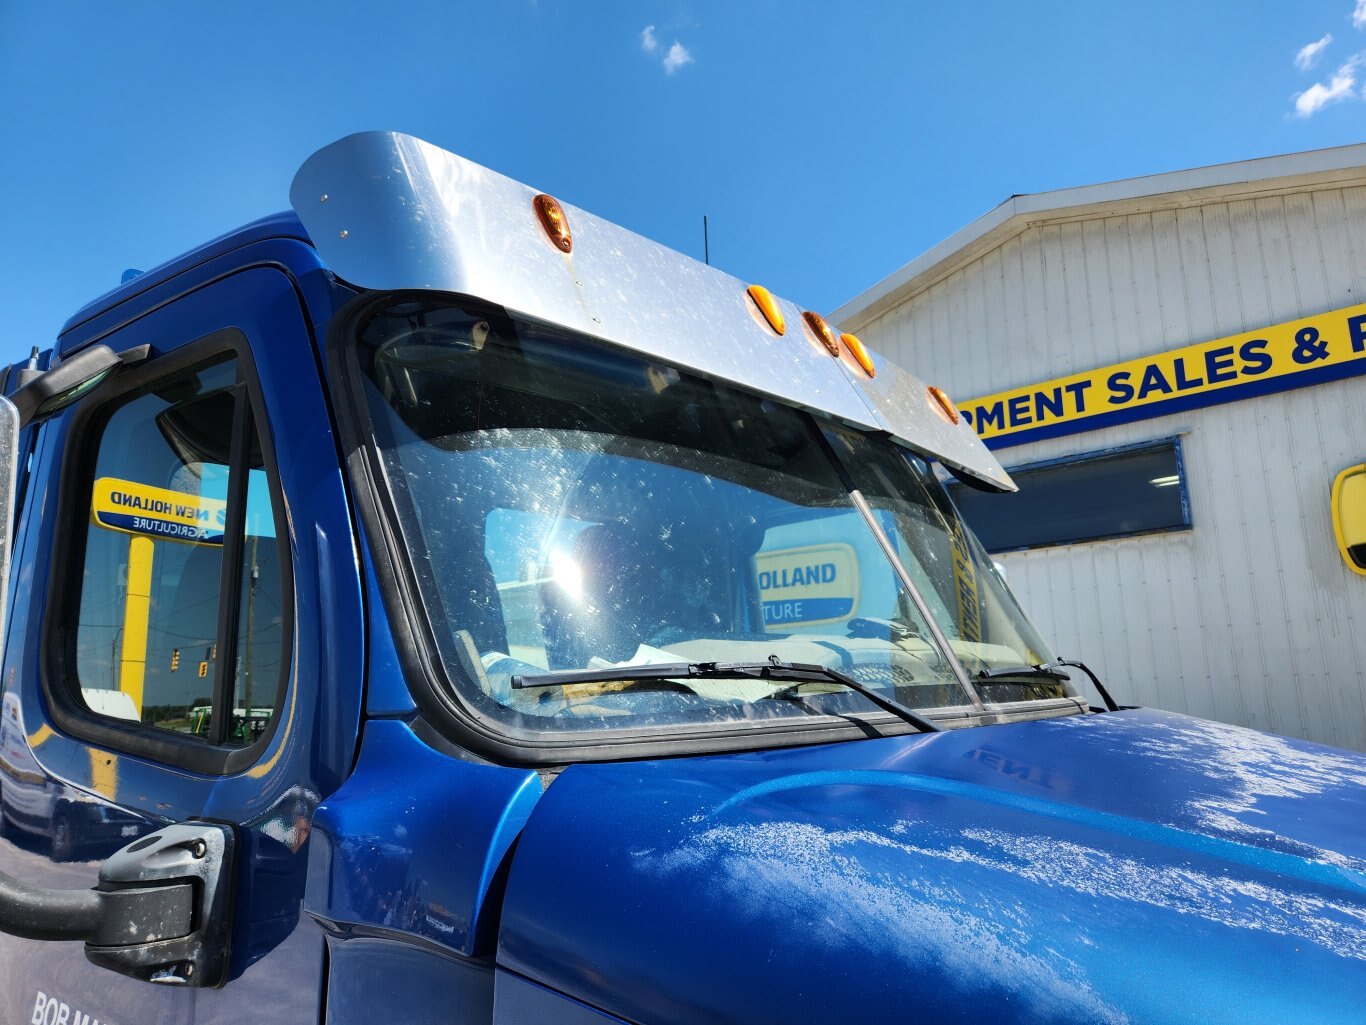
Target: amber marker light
[
  {"x": 554, "y": 222},
  {"x": 822, "y": 331},
  {"x": 943, "y": 405},
  {"x": 861, "y": 355},
  {"x": 768, "y": 306}
]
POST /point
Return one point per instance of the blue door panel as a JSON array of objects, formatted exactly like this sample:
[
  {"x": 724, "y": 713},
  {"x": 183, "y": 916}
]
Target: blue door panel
[
  {"x": 519, "y": 1001},
  {"x": 47, "y": 776},
  {"x": 281, "y": 987},
  {"x": 380, "y": 980}
]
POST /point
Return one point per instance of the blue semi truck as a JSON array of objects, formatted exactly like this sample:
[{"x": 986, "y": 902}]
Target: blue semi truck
[{"x": 438, "y": 604}]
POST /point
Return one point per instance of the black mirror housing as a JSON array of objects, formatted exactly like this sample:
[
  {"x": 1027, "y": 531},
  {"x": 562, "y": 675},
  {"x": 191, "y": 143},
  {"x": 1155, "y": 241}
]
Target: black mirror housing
[
  {"x": 55, "y": 389},
  {"x": 170, "y": 892},
  {"x": 197, "y": 855}
]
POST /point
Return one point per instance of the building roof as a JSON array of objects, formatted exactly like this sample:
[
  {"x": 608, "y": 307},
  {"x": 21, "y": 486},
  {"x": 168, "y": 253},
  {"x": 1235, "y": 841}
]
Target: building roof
[{"x": 1242, "y": 179}]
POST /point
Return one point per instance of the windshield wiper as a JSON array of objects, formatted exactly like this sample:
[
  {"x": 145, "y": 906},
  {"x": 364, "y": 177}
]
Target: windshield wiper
[
  {"x": 1049, "y": 670},
  {"x": 773, "y": 669}
]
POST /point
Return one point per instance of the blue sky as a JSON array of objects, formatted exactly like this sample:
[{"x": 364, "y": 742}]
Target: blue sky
[{"x": 827, "y": 143}]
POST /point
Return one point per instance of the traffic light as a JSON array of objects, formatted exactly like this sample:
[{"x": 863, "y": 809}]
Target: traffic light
[{"x": 175, "y": 659}]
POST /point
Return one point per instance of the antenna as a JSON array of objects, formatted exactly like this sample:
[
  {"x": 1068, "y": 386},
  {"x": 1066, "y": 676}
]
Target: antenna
[
  {"x": 27, "y": 372},
  {"x": 706, "y": 242}
]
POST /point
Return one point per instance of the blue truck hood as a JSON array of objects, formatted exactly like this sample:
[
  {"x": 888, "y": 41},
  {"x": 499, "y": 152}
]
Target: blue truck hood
[{"x": 1126, "y": 867}]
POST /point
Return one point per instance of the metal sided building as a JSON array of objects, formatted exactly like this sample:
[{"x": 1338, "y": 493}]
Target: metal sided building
[{"x": 1171, "y": 368}]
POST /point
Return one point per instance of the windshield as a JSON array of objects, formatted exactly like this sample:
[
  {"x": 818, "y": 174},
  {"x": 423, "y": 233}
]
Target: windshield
[
  {"x": 567, "y": 506},
  {"x": 983, "y": 624}
]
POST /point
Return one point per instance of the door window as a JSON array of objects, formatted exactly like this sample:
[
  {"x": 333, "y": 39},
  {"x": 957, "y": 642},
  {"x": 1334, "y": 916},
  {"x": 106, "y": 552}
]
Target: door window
[{"x": 181, "y": 614}]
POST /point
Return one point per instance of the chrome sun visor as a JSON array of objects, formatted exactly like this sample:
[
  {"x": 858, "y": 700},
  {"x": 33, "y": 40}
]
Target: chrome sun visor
[{"x": 388, "y": 211}]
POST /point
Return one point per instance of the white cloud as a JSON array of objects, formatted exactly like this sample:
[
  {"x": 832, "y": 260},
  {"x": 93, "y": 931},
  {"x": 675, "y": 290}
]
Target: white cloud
[
  {"x": 1359, "y": 15},
  {"x": 1340, "y": 87},
  {"x": 1311, "y": 52},
  {"x": 678, "y": 55}
]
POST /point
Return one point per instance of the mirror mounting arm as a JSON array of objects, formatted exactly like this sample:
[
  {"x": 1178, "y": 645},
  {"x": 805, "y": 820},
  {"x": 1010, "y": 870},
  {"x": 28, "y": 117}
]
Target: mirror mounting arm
[{"x": 39, "y": 914}]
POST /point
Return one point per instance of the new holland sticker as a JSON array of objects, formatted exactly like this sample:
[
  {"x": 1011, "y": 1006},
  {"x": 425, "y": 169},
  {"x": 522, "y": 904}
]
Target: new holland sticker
[
  {"x": 807, "y": 585},
  {"x": 158, "y": 512}
]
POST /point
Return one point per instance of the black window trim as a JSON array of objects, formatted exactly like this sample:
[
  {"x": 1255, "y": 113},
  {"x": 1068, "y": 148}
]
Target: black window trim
[
  {"x": 1172, "y": 441},
  {"x": 79, "y": 452}
]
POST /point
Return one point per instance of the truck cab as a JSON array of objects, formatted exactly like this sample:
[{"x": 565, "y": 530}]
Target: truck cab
[{"x": 439, "y": 604}]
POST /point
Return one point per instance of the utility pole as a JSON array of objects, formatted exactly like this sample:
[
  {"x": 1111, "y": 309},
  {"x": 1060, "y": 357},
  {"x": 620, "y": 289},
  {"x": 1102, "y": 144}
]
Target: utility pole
[{"x": 255, "y": 575}]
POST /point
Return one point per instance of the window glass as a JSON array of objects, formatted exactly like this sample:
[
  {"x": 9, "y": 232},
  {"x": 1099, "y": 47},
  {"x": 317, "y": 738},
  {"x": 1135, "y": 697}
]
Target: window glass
[
  {"x": 148, "y": 646},
  {"x": 260, "y": 634},
  {"x": 820, "y": 572},
  {"x": 960, "y": 585},
  {"x": 526, "y": 551},
  {"x": 1088, "y": 498},
  {"x": 570, "y": 508}
]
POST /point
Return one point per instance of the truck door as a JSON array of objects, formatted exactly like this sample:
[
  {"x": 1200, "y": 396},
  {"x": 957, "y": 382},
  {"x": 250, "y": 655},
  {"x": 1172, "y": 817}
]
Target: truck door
[{"x": 185, "y": 642}]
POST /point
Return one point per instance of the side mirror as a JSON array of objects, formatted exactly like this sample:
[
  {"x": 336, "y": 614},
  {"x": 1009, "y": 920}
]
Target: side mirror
[
  {"x": 1349, "y": 516},
  {"x": 52, "y": 390}
]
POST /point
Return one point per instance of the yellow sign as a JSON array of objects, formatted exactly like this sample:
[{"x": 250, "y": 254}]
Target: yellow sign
[
  {"x": 1325, "y": 347},
  {"x": 806, "y": 585},
  {"x": 1349, "y": 516},
  {"x": 967, "y": 597},
  {"x": 159, "y": 512}
]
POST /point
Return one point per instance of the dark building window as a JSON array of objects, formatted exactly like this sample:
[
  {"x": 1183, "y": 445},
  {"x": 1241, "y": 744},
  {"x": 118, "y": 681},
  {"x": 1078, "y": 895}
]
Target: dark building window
[{"x": 1137, "y": 490}]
